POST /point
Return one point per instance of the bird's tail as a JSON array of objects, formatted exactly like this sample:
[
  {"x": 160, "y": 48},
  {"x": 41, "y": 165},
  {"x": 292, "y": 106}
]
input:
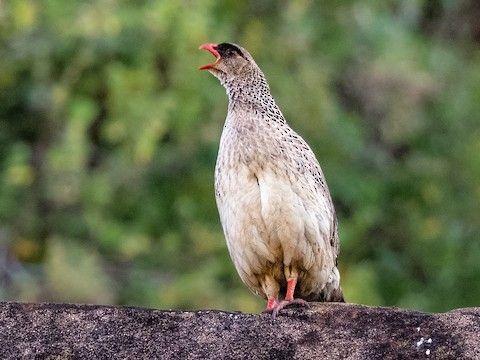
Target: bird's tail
[
  {"x": 332, "y": 292},
  {"x": 336, "y": 295},
  {"x": 329, "y": 295}
]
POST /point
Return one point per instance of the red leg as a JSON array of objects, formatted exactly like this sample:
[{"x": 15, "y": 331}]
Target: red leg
[
  {"x": 289, "y": 299},
  {"x": 272, "y": 303},
  {"x": 291, "y": 283}
]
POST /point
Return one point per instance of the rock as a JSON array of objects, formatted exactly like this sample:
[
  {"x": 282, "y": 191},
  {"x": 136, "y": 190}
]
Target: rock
[{"x": 324, "y": 331}]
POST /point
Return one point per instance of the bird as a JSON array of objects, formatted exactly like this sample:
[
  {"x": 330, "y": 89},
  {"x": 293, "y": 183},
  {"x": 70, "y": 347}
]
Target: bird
[{"x": 275, "y": 208}]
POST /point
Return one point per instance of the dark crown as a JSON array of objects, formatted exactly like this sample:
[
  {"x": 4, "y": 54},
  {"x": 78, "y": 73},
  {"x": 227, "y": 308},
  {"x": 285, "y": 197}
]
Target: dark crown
[{"x": 227, "y": 49}]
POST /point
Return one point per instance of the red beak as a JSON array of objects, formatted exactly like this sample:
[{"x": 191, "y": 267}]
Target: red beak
[{"x": 212, "y": 48}]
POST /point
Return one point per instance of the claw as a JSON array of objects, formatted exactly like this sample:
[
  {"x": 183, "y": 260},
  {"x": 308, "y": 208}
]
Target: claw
[
  {"x": 284, "y": 303},
  {"x": 274, "y": 306}
]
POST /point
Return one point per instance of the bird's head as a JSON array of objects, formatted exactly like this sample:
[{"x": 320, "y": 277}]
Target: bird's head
[{"x": 232, "y": 61}]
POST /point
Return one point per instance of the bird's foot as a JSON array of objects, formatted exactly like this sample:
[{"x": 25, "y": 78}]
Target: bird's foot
[
  {"x": 284, "y": 303},
  {"x": 272, "y": 303}
]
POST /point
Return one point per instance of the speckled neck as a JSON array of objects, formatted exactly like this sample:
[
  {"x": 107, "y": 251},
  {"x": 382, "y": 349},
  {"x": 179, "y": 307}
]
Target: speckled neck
[{"x": 251, "y": 92}]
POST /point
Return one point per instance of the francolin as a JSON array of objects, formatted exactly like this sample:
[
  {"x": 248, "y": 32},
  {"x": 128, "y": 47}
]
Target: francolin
[{"x": 274, "y": 204}]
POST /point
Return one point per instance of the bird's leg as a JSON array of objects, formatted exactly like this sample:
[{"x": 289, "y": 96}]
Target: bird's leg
[
  {"x": 272, "y": 303},
  {"x": 271, "y": 289},
  {"x": 289, "y": 299},
  {"x": 291, "y": 283}
]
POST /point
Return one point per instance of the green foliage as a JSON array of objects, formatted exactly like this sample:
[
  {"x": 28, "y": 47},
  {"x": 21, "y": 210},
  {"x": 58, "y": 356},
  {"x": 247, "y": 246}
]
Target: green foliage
[{"x": 108, "y": 139}]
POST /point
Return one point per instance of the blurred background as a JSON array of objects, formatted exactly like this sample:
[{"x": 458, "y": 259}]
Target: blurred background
[{"x": 109, "y": 135}]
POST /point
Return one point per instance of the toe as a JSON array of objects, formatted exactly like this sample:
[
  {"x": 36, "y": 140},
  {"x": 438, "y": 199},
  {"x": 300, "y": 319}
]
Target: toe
[{"x": 284, "y": 303}]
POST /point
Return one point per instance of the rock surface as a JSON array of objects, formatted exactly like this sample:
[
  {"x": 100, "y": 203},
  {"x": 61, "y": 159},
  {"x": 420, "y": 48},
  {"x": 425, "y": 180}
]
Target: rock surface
[{"x": 324, "y": 331}]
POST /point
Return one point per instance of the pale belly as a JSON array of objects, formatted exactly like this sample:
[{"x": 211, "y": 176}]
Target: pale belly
[{"x": 270, "y": 229}]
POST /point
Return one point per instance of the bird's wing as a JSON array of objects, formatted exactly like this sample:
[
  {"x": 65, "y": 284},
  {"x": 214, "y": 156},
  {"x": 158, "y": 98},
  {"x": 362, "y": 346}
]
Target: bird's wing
[{"x": 310, "y": 184}]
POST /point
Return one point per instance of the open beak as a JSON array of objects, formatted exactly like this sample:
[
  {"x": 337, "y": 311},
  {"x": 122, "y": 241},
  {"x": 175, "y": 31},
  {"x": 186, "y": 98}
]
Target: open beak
[{"x": 212, "y": 48}]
